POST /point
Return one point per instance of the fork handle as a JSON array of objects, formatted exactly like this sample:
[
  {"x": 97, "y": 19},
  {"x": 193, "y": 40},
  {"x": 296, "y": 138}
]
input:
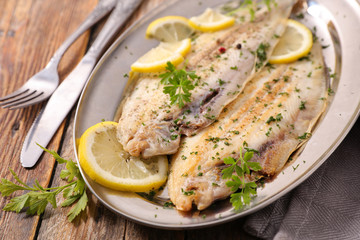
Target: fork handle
[
  {"x": 103, "y": 7},
  {"x": 122, "y": 11}
]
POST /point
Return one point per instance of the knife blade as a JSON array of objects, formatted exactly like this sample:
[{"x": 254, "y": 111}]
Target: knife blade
[{"x": 65, "y": 96}]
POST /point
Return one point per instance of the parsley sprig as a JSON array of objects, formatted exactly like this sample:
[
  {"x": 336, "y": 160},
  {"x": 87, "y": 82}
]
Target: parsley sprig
[
  {"x": 240, "y": 167},
  {"x": 38, "y": 197},
  {"x": 178, "y": 83},
  {"x": 252, "y": 6}
]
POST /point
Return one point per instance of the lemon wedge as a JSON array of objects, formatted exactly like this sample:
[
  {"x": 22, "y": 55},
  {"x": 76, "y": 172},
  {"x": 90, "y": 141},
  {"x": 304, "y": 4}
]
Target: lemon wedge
[
  {"x": 169, "y": 29},
  {"x": 211, "y": 21},
  {"x": 106, "y": 162},
  {"x": 155, "y": 60},
  {"x": 295, "y": 43}
]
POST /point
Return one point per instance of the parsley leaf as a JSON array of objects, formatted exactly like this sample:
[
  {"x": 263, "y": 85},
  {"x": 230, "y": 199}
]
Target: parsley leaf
[
  {"x": 38, "y": 197},
  {"x": 241, "y": 167},
  {"x": 178, "y": 84}
]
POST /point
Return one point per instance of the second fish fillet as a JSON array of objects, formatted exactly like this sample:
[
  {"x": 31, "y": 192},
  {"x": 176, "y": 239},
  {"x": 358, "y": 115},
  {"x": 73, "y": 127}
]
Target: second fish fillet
[{"x": 273, "y": 115}]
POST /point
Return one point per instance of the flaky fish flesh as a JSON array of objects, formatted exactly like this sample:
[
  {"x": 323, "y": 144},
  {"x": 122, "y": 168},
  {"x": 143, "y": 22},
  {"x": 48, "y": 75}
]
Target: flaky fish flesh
[
  {"x": 149, "y": 126},
  {"x": 274, "y": 114}
]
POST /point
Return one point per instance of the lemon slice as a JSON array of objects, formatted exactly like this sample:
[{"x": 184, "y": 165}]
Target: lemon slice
[
  {"x": 295, "y": 43},
  {"x": 211, "y": 21},
  {"x": 169, "y": 29},
  {"x": 106, "y": 162},
  {"x": 155, "y": 60}
]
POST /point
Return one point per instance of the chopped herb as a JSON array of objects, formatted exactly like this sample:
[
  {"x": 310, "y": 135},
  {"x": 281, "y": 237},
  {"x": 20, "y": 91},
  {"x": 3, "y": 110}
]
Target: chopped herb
[
  {"x": 169, "y": 204},
  {"x": 300, "y": 16},
  {"x": 187, "y": 193},
  {"x": 221, "y": 82},
  {"x": 306, "y": 135},
  {"x": 284, "y": 93},
  {"x": 268, "y": 132},
  {"x": 261, "y": 55},
  {"x": 302, "y": 105},
  {"x": 234, "y": 68},
  {"x": 294, "y": 168},
  {"x": 173, "y": 137},
  {"x": 183, "y": 157},
  {"x": 330, "y": 91},
  {"x": 279, "y": 117},
  {"x": 126, "y": 75}
]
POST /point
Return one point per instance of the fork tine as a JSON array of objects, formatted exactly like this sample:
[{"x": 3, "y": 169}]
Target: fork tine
[
  {"x": 16, "y": 93},
  {"x": 23, "y": 101},
  {"x": 18, "y": 98},
  {"x": 38, "y": 98}
]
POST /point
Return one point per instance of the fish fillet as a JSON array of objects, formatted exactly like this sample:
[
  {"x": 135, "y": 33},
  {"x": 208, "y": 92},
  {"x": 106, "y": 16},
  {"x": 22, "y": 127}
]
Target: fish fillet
[
  {"x": 273, "y": 115},
  {"x": 149, "y": 126}
]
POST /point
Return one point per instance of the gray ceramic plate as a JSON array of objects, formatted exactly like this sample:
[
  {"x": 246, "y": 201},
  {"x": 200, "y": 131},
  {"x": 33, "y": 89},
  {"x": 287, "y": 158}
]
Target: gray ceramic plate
[{"x": 337, "y": 26}]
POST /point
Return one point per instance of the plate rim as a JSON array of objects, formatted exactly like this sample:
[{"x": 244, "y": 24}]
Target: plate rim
[{"x": 324, "y": 156}]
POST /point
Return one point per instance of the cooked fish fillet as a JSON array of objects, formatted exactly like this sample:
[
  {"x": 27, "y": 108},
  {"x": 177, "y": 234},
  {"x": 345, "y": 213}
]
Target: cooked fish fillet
[
  {"x": 150, "y": 126},
  {"x": 276, "y": 108}
]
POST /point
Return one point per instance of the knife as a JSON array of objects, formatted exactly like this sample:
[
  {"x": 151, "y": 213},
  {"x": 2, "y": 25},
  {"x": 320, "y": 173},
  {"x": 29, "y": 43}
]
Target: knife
[{"x": 65, "y": 96}]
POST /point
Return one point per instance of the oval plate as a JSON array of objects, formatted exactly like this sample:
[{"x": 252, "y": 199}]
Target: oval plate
[{"x": 337, "y": 25}]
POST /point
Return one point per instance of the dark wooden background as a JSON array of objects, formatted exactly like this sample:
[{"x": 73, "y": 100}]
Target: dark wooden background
[{"x": 30, "y": 32}]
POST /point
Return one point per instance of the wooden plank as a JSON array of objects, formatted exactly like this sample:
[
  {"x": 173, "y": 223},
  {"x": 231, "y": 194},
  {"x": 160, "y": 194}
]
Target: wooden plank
[
  {"x": 30, "y": 32},
  {"x": 97, "y": 222}
]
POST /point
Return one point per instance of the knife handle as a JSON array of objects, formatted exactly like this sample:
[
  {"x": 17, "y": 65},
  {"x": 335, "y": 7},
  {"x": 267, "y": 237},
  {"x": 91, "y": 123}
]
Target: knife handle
[
  {"x": 122, "y": 11},
  {"x": 103, "y": 8}
]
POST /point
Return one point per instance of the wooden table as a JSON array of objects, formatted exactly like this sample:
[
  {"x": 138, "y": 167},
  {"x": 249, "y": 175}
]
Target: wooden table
[{"x": 30, "y": 32}]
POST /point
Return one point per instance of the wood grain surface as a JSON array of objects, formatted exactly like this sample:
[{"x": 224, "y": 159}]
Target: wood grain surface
[{"x": 30, "y": 32}]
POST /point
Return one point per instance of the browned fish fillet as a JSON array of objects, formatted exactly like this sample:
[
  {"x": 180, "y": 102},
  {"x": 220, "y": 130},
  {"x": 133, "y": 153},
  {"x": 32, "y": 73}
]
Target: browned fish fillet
[
  {"x": 273, "y": 115},
  {"x": 150, "y": 126}
]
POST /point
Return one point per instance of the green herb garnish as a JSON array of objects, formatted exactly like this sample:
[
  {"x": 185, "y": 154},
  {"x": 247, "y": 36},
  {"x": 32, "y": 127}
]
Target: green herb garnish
[
  {"x": 251, "y": 6},
  {"x": 178, "y": 84},
  {"x": 38, "y": 197},
  {"x": 261, "y": 55},
  {"x": 236, "y": 172}
]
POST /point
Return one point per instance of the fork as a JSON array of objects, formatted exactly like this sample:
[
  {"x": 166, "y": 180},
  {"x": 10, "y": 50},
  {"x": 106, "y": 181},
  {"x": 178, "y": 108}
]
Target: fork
[{"x": 40, "y": 86}]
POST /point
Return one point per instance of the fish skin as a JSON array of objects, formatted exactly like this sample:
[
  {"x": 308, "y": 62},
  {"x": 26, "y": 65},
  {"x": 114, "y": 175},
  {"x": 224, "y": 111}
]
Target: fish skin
[
  {"x": 280, "y": 91},
  {"x": 149, "y": 126}
]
